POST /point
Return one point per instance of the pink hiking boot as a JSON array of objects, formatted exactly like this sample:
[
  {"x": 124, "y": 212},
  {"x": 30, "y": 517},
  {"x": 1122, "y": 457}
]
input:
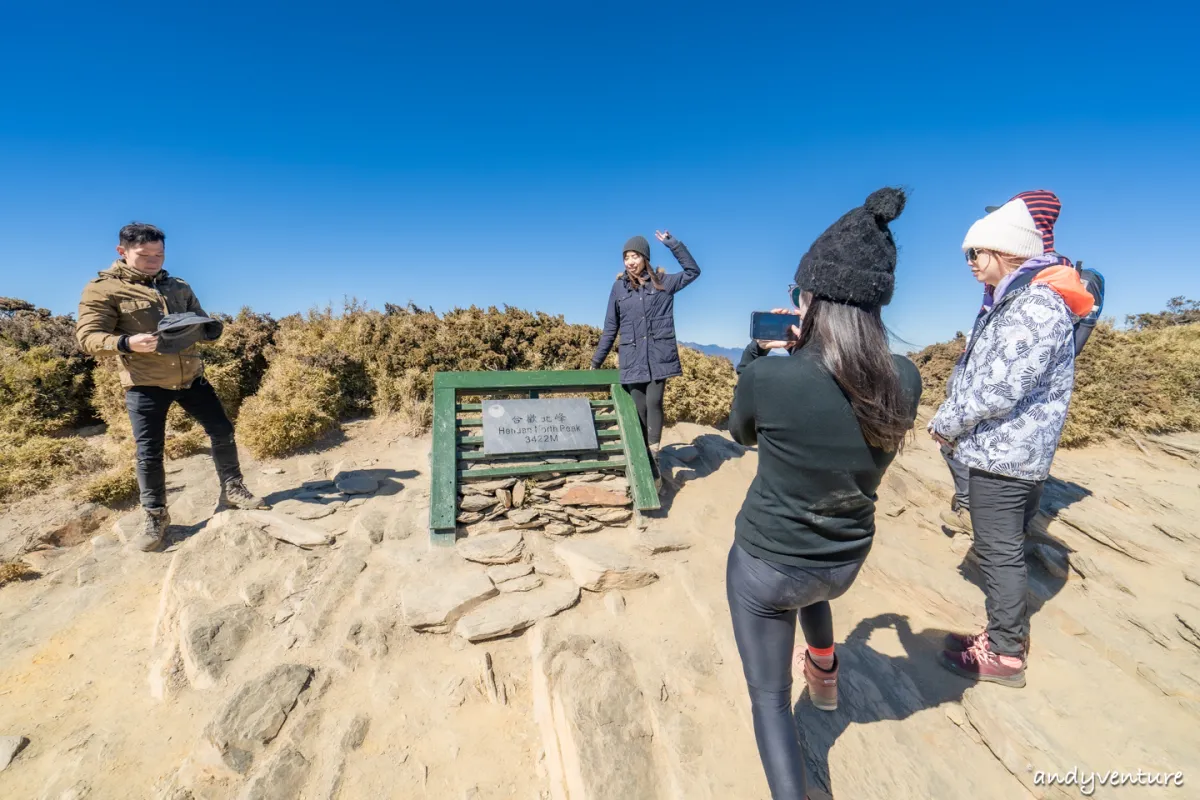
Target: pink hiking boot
[
  {"x": 822, "y": 684},
  {"x": 979, "y": 663}
]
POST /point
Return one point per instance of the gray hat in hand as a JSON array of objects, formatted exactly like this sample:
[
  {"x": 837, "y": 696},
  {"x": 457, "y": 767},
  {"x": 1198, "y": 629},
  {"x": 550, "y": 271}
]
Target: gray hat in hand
[{"x": 178, "y": 332}]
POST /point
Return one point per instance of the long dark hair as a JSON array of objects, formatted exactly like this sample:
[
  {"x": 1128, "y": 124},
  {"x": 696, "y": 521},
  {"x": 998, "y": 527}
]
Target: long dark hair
[
  {"x": 649, "y": 274},
  {"x": 853, "y": 346}
]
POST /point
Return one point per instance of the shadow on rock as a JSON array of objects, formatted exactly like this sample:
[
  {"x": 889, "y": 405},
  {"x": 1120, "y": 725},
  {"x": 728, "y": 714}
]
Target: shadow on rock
[
  {"x": 347, "y": 484},
  {"x": 682, "y": 463},
  {"x": 873, "y": 687}
]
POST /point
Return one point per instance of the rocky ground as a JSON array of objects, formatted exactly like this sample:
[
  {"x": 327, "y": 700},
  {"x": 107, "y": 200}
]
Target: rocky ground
[{"x": 323, "y": 649}]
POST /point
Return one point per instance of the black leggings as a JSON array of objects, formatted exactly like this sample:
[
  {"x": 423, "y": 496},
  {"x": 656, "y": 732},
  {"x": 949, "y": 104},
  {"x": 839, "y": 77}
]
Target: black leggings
[
  {"x": 764, "y": 598},
  {"x": 648, "y": 397}
]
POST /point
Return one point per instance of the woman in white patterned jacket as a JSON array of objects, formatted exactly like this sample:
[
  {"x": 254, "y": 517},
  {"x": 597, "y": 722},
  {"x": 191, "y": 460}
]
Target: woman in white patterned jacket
[{"x": 1004, "y": 412}]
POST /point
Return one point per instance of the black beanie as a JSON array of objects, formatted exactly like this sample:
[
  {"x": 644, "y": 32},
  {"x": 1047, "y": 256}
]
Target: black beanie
[
  {"x": 854, "y": 260},
  {"x": 638, "y": 244}
]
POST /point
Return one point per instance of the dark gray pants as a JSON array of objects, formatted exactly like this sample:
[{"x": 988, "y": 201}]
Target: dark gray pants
[
  {"x": 962, "y": 481},
  {"x": 764, "y": 599},
  {"x": 148, "y": 407},
  {"x": 1000, "y": 509}
]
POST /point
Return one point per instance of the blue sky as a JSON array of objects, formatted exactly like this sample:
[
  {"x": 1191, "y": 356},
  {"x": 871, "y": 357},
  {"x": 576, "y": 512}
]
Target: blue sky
[{"x": 298, "y": 153}]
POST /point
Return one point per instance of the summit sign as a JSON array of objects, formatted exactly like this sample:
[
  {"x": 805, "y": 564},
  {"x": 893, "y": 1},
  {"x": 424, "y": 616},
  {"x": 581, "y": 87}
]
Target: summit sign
[{"x": 538, "y": 426}]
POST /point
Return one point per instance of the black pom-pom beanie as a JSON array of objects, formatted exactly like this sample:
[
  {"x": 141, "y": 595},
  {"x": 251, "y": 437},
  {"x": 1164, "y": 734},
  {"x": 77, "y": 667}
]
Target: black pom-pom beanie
[{"x": 854, "y": 260}]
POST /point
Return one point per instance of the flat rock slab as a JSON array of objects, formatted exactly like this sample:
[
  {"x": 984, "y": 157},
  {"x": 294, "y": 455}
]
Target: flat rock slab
[
  {"x": 525, "y": 583},
  {"x": 209, "y": 641},
  {"x": 477, "y": 502},
  {"x": 284, "y": 528},
  {"x": 255, "y": 714},
  {"x": 357, "y": 484},
  {"x": 654, "y": 542},
  {"x": 514, "y": 612},
  {"x": 504, "y": 547},
  {"x": 488, "y": 487},
  {"x": 10, "y": 746},
  {"x": 590, "y": 495},
  {"x": 522, "y": 516},
  {"x": 283, "y": 779},
  {"x": 597, "y": 567},
  {"x": 508, "y": 572},
  {"x": 370, "y": 524},
  {"x": 608, "y": 516},
  {"x": 301, "y": 509},
  {"x": 596, "y": 726},
  {"x": 559, "y": 529},
  {"x": 436, "y": 601}
]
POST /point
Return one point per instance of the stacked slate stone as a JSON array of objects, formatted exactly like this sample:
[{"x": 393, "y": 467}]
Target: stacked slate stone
[{"x": 559, "y": 506}]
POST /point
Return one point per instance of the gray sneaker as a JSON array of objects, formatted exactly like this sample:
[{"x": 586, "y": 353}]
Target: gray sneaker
[
  {"x": 235, "y": 493},
  {"x": 155, "y": 522}
]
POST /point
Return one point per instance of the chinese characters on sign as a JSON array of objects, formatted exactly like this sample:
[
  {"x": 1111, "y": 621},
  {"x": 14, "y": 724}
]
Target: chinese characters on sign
[{"x": 536, "y": 426}]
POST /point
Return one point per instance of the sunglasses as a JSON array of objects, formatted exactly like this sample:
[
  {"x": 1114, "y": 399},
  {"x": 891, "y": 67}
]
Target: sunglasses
[
  {"x": 794, "y": 293},
  {"x": 972, "y": 254}
]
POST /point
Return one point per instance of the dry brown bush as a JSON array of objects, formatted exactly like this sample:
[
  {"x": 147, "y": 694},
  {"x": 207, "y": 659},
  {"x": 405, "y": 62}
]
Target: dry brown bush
[
  {"x": 1133, "y": 380},
  {"x": 295, "y": 407},
  {"x": 936, "y": 362},
  {"x": 30, "y": 464},
  {"x": 704, "y": 393},
  {"x": 11, "y": 571},
  {"x": 384, "y": 362},
  {"x": 112, "y": 487}
]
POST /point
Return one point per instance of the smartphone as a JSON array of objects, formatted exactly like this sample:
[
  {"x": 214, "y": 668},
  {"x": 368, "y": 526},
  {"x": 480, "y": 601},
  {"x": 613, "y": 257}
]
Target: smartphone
[{"x": 768, "y": 327}]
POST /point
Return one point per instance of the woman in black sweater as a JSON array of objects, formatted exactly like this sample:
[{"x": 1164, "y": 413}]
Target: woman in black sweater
[{"x": 828, "y": 420}]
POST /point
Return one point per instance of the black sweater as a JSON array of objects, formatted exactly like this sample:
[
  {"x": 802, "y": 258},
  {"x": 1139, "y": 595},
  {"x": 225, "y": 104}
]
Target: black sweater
[{"x": 813, "y": 500}]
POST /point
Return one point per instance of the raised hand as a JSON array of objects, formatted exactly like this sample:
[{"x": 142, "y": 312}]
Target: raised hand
[{"x": 662, "y": 236}]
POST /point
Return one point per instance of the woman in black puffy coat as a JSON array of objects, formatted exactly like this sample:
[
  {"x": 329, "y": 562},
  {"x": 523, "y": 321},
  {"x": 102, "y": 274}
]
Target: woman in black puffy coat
[{"x": 641, "y": 310}]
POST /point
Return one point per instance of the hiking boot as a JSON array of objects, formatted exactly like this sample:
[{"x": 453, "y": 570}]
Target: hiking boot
[
  {"x": 979, "y": 663},
  {"x": 235, "y": 493},
  {"x": 962, "y": 642},
  {"x": 822, "y": 684},
  {"x": 155, "y": 522},
  {"x": 959, "y": 520}
]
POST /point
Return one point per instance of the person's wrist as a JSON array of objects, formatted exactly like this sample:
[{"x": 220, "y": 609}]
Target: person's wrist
[{"x": 123, "y": 344}]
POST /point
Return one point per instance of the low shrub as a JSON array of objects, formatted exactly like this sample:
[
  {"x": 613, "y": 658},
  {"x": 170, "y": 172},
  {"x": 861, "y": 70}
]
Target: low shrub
[{"x": 30, "y": 464}]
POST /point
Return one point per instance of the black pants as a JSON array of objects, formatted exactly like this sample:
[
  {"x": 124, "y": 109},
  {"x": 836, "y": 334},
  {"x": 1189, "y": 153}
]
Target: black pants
[
  {"x": 1001, "y": 508},
  {"x": 763, "y": 600},
  {"x": 148, "y": 407},
  {"x": 648, "y": 397}
]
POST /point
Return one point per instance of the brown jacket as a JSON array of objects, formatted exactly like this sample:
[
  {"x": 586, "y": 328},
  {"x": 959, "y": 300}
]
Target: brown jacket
[{"x": 122, "y": 301}]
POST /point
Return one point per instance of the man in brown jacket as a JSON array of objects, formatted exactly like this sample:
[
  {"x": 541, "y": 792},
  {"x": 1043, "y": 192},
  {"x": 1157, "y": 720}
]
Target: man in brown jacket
[{"x": 119, "y": 315}]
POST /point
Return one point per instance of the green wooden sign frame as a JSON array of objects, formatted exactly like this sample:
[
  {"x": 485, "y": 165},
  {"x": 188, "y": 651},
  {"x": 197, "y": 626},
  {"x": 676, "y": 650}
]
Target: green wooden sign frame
[{"x": 457, "y": 445}]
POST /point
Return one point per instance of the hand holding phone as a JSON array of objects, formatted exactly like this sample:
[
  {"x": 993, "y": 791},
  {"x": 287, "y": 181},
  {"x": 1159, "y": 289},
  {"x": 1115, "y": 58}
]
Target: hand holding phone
[{"x": 777, "y": 329}]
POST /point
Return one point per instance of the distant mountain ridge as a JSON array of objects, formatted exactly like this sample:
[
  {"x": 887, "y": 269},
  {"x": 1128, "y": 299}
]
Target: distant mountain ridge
[{"x": 732, "y": 353}]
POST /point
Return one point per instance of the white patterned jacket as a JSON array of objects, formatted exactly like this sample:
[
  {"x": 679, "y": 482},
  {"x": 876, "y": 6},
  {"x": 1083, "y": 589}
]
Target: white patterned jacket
[{"x": 1008, "y": 396}]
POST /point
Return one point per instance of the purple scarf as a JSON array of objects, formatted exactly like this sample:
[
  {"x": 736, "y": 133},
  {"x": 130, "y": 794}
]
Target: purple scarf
[{"x": 991, "y": 297}]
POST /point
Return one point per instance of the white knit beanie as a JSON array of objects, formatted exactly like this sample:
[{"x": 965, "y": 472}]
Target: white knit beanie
[{"x": 1009, "y": 229}]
